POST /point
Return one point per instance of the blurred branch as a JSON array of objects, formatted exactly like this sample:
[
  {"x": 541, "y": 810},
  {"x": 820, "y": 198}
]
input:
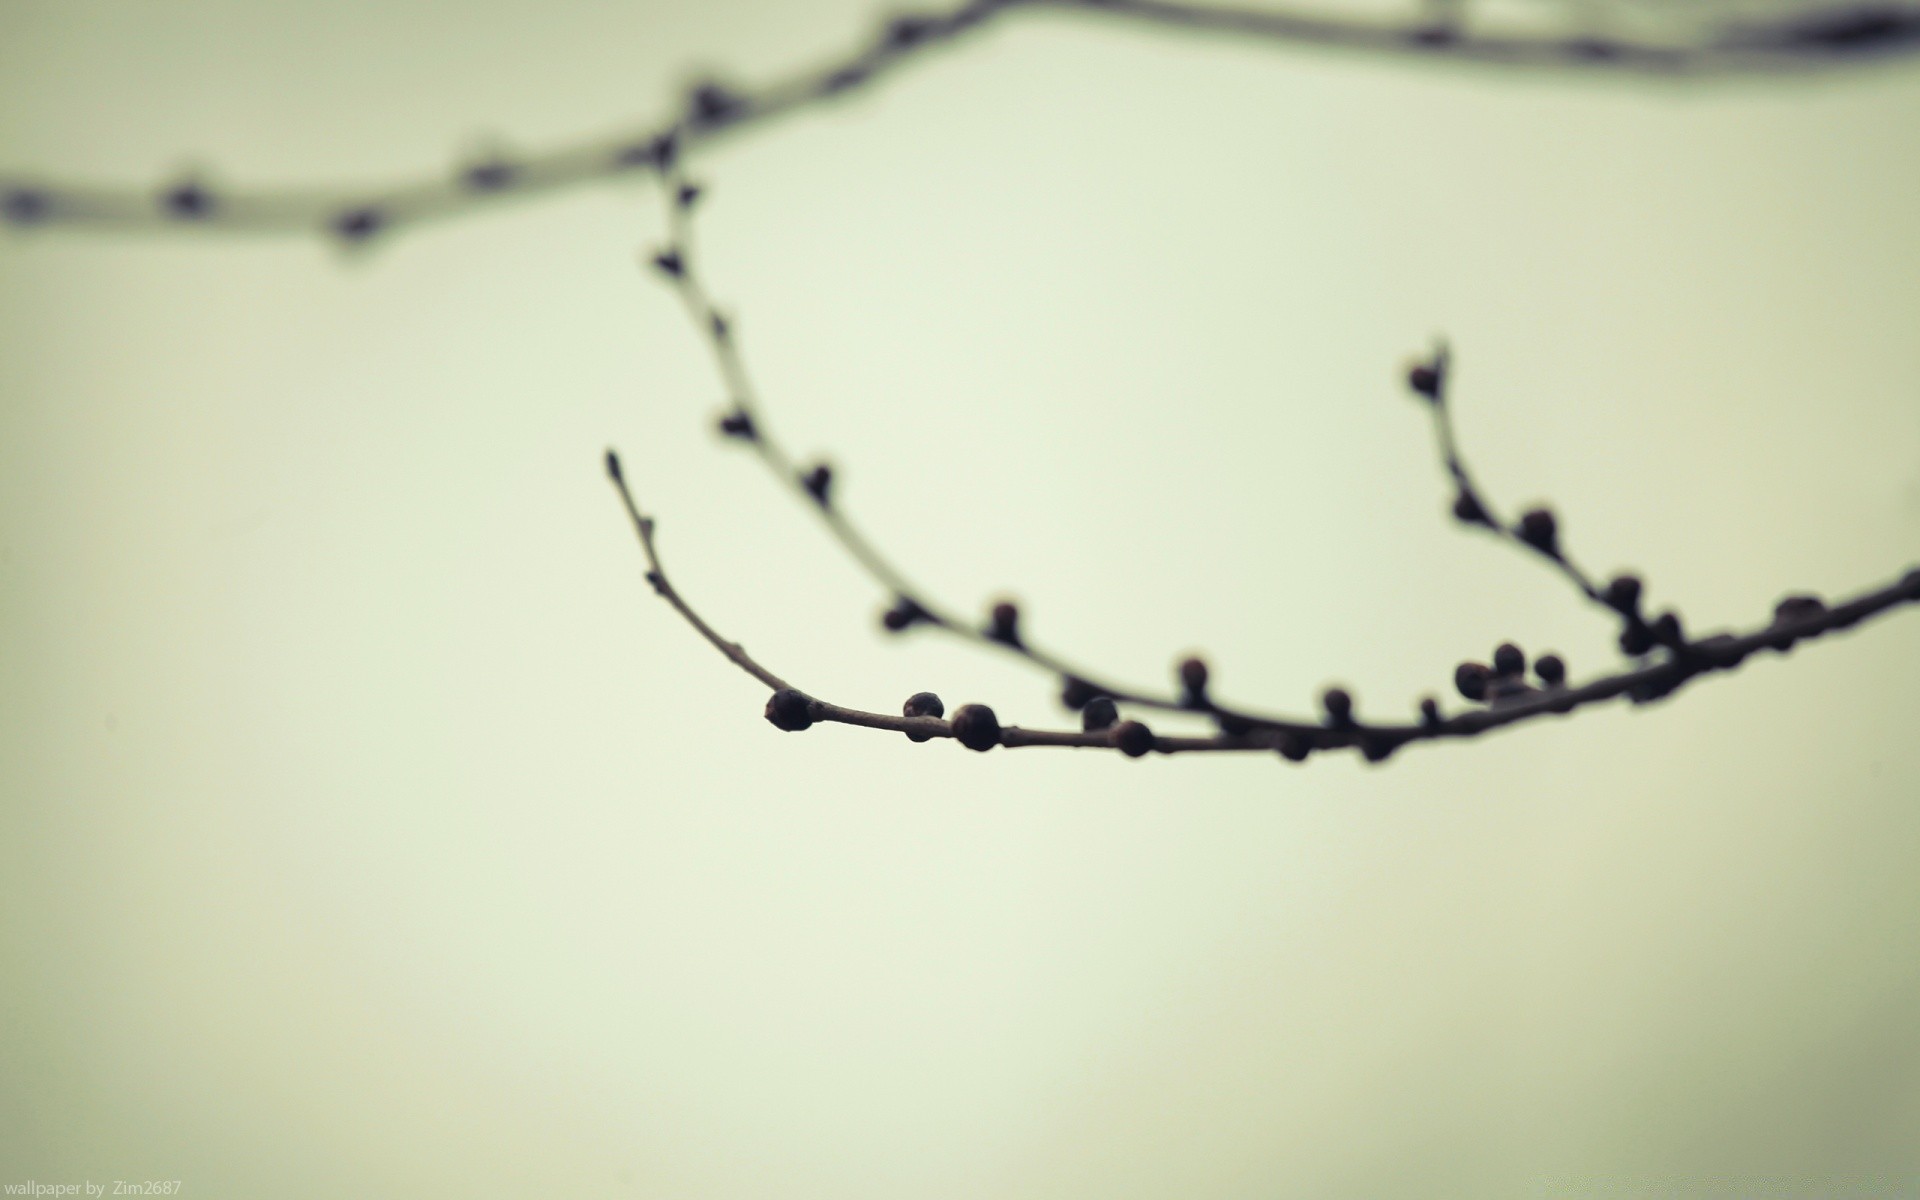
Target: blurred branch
[
  {"x": 1717, "y": 40},
  {"x": 1665, "y": 658}
]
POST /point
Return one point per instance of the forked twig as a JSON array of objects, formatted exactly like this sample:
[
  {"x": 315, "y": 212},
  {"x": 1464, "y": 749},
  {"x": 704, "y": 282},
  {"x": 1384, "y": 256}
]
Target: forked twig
[{"x": 1667, "y": 659}]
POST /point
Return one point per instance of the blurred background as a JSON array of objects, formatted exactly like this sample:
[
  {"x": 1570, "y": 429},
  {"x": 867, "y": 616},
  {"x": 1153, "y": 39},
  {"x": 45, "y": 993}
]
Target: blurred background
[{"x": 371, "y": 829}]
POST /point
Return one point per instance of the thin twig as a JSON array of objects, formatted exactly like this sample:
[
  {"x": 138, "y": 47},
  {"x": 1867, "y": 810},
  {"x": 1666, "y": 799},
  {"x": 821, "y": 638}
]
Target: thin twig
[
  {"x": 1510, "y": 699},
  {"x": 1840, "y": 36}
]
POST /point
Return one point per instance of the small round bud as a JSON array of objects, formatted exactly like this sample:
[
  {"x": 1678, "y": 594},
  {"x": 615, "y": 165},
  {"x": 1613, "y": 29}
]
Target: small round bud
[
  {"x": 1538, "y": 529},
  {"x": 1551, "y": 669},
  {"x": 904, "y": 614},
  {"x": 1623, "y": 595},
  {"x": 1429, "y": 378},
  {"x": 1074, "y": 693},
  {"x": 1099, "y": 713},
  {"x": 1798, "y": 608},
  {"x": 1471, "y": 680},
  {"x": 1338, "y": 703},
  {"x": 1468, "y": 509},
  {"x": 1193, "y": 678},
  {"x": 1508, "y": 659},
  {"x": 737, "y": 424},
  {"x": 358, "y": 224},
  {"x": 669, "y": 263},
  {"x": 818, "y": 482},
  {"x": 188, "y": 201},
  {"x": 1636, "y": 639},
  {"x": 976, "y": 727},
  {"x": 790, "y": 710},
  {"x": 1133, "y": 738},
  {"x": 1003, "y": 623},
  {"x": 489, "y": 176},
  {"x": 23, "y": 206},
  {"x": 687, "y": 196},
  {"x": 713, "y": 103},
  {"x": 1429, "y": 711},
  {"x": 1295, "y": 748},
  {"x": 1668, "y": 631},
  {"x": 922, "y": 704},
  {"x": 1378, "y": 749}
]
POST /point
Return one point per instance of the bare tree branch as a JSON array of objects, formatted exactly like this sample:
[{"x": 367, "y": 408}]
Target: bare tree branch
[
  {"x": 1720, "y": 40},
  {"x": 1666, "y": 658}
]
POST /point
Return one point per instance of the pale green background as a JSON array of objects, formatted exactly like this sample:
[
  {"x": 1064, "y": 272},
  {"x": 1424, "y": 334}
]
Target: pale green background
[{"x": 369, "y": 829}]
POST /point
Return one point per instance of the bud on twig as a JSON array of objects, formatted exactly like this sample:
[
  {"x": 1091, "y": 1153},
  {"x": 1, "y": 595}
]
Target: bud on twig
[
  {"x": 1133, "y": 738},
  {"x": 790, "y": 710},
  {"x": 976, "y": 727}
]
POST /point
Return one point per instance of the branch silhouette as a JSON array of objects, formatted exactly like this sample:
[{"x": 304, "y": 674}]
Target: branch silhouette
[
  {"x": 1716, "y": 45},
  {"x": 1665, "y": 658}
]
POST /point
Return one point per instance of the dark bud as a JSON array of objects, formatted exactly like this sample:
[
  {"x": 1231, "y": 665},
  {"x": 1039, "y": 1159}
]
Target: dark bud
[
  {"x": 1193, "y": 678},
  {"x": 24, "y": 206},
  {"x": 669, "y": 263},
  {"x": 790, "y": 710},
  {"x": 1797, "y": 608},
  {"x": 903, "y": 615},
  {"x": 1551, "y": 669},
  {"x": 1378, "y": 749},
  {"x": 1075, "y": 693},
  {"x": 1295, "y": 748},
  {"x": 188, "y": 201},
  {"x": 1471, "y": 679},
  {"x": 818, "y": 482},
  {"x": 903, "y": 32},
  {"x": 1003, "y": 624},
  {"x": 1508, "y": 660},
  {"x": 1100, "y": 713},
  {"x": 1667, "y": 630},
  {"x": 1133, "y": 738},
  {"x": 1468, "y": 510},
  {"x": 1623, "y": 595},
  {"x": 739, "y": 425},
  {"x": 490, "y": 176},
  {"x": 1429, "y": 378},
  {"x": 1636, "y": 639},
  {"x": 613, "y": 467},
  {"x": 922, "y": 704},
  {"x": 712, "y": 103},
  {"x": 358, "y": 224},
  {"x": 688, "y": 195},
  {"x": 1338, "y": 703},
  {"x": 721, "y": 330},
  {"x": 1429, "y": 711},
  {"x": 976, "y": 727},
  {"x": 1233, "y": 726},
  {"x": 1538, "y": 529}
]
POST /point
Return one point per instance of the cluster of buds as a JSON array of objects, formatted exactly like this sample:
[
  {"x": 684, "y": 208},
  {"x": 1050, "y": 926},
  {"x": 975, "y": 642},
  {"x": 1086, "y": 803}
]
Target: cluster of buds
[{"x": 1505, "y": 680}]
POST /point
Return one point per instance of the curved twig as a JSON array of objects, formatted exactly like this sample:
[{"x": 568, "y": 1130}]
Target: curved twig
[
  {"x": 1509, "y": 698},
  {"x": 1843, "y": 35}
]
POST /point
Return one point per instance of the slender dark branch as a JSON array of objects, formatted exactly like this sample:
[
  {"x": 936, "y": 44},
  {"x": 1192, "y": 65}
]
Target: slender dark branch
[
  {"x": 1509, "y": 700},
  {"x": 747, "y": 422},
  {"x": 1537, "y": 530},
  {"x": 1837, "y": 36},
  {"x": 975, "y": 725}
]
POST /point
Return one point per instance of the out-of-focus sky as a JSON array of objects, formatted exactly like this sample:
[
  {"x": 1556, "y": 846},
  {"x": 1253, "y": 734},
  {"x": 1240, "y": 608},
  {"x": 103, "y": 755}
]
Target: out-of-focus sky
[{"x": 371, "y": 829}]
